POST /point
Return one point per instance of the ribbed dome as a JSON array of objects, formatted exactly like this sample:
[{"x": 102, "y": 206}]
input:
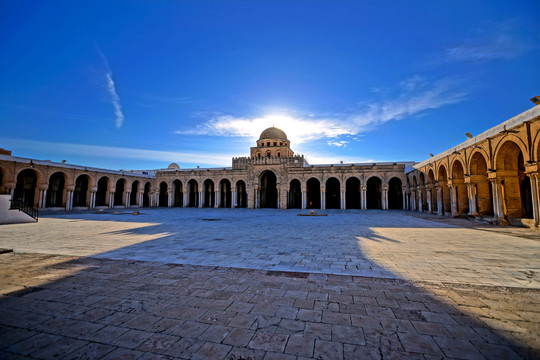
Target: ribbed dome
[{"x": 273, "y": 133}]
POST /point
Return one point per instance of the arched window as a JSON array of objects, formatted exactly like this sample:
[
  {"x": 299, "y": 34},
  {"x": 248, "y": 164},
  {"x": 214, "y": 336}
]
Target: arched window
[{"x": 268, "y": 153}]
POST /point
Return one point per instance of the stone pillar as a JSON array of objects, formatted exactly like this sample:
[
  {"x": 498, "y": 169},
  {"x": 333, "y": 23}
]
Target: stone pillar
[
  {"x": 69, "y": 200},
  {"x": 256, "y": 197},
  {"x": 304, "y": 198},
  {"x": 128, "y": 199},
  {"x": 420, "y": 192},
  {"x": 343, "y": 198},
  {"x": 363, "y": 199},
  {"x": 413, "y": 200},
  {"x": 42, "y": 197},
  {"x": 429, "y": 200},
  {"x": 498, "y": 201},
  {"x": 323, "y": 197},
  {"x": 217, "y": 199},
  {"x": 471, "y": 194},
  {"x": 169, "y": 197},
  {"x": 453, "y": 201},
  {"x": 200, "y": 199},
  {"x": 111, "y": 199},
  {"x": 404, "y": 196},
  {"x": 440, "y": 206},
  {"x": 384, "y": 199},
  {"x": 278, "y": 197},
  {"x": 535, "y": 197},
  {"x": 234, "y": 203}
]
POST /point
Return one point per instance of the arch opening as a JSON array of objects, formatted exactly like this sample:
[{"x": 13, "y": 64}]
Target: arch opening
[
  {"x": 163, "y": 195},
  {"x": 395, "y": 194},
  {"x": 432, "y": 190},
  {"x": 193, "y": 191},
  {"x": 146, "y": 195},
  {"x": 26, "y": 187},
  {"x": 294, "y": 200},
  {"x": 55, "y": 192},
  {"x": 119, "y": 192},
  {"x": 178, "y": 197},
  {"x": 268, "y": 190},
  {"x": 225, "y": 195},
  {"x": 374, "y": 193},
  {"x": 481, "y": 187},
  {"x": 133, "y": 196},
  {"x": 445, "y": 191},
  {"x": 333, "y": 200},
  {"x": 101, "y": 194},
  {"x": 80, "y": 193},
  {"x": 209, "y": 193},
  {"x": 352, "y": 193},
  {"x": 460, "y": 189},
  {"x": 313, "y": 194},
  {"x": 241, "y": 194}
]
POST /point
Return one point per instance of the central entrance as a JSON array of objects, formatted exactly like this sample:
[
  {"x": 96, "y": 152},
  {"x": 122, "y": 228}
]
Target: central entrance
[{"x": 268, "y": 190}]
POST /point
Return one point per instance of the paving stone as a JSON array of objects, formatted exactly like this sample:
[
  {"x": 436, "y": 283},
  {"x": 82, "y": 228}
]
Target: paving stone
[
  {"x": 158, "y": 343},
  {"x": 348, "y": 334},
  {"x": 90, "y": 351},
  {"x": 268, "y": 342},
  {"x": 300, "y": 346},
  {"x": 212, "y": 351},
  {"x": 318, "y": 331},
  {"x": 309, "y": 315},
  {"x": 328, "y": 350},
  {"x": 215, "y": 333},
  {"x": 131, "y": 339},
  {"x": 123, "y": 354},
  {"x": 423, "y": 344},
  {"x": 239, "y": 337}
]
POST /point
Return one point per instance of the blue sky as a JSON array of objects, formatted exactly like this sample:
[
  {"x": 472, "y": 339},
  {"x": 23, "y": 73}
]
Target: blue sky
[{"x": 140, "y": 84}]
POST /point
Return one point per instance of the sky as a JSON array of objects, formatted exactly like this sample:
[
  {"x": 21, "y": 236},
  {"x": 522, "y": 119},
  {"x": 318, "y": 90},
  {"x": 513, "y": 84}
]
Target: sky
[{"x": 140, "y": 84}]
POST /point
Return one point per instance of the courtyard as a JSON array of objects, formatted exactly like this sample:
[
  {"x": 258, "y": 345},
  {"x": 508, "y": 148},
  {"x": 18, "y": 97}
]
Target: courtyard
[{"x": 267, "y": 284}]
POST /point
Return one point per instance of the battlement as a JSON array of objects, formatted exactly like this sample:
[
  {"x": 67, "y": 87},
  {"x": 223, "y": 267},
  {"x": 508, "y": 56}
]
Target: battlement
[{"x": 242, "y": 163}]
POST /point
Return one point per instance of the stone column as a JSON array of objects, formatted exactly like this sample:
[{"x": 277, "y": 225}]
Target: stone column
[
  {"x": 217, "y": 198},
  {"x": 413, "y": 200},
  {"x": 363, "y": 199},
  {"x": 343, "y": 198},
  {"x": 384, "y": 200},
  {"x": 111, "y": 199},
  {"x": 42, "y": 197},
  {"x": 498, "y": 201},
  {"x": 69, "y": 200},
  {"x": 256, "y": 197},
  {"x": 278, "y": 197},
  {"x": 323, "y": 197},
  {"x": 185, "y": 196},
  {"x": 420, "y": 192},
  {"x": 234, "y": 203},
  {"x": 304, "y": 198},
  {"x": 535, "y": 197},
  {"x": 471, "y": 194},
  {"x": 199, "y": 200},
  {"x": 440, "y": 206},
  {"x": 404, "y": 196},
  {"x": 128, "y": 199},
  {"x": 429, "y": 200},
  {"x": 453, "y": 201}
]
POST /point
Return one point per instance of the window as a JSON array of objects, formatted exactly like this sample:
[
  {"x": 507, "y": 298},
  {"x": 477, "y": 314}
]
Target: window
[{"x": 275, "y": 143}]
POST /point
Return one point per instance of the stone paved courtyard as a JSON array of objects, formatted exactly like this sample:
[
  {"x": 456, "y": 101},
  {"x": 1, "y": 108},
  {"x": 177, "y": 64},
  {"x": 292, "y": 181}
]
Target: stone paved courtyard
[{"x": 267, "y": 284}]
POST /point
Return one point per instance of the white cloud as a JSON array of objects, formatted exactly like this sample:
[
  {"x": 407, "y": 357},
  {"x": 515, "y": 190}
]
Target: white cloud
[
  {"x": 414, "y": 95},
  {"x": 298, "y": 130},
  {"x": 342, "y": 143},
  {"x": 115, "y": 100}
]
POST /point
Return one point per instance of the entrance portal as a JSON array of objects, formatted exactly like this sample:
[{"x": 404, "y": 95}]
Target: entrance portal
[{"x": 268, "y": 190}]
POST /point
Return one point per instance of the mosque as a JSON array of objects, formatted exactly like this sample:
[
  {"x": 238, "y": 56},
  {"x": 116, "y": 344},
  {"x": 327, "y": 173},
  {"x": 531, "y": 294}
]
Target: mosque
[{"x": 493, "y": 176}]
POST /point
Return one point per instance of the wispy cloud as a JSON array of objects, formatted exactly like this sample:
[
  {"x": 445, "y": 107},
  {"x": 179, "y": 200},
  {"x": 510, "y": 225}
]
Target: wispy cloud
[
  {"x": 111, "y": 89},
  {"x": 413, "y": 96},
  {"x": 492, "y": 41},
  {"x": 110, "y": 152},
  {"x": 115, "y": 100}
]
